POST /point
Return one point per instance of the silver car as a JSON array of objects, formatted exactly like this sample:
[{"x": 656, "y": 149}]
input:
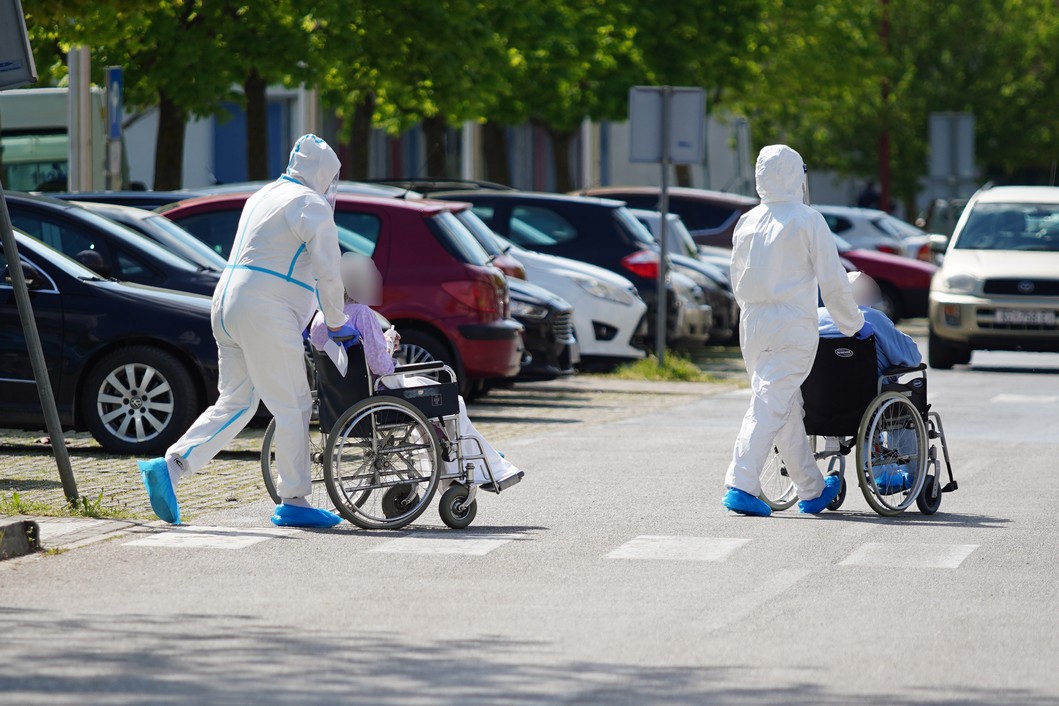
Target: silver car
[{"x": 998, "y": 288}]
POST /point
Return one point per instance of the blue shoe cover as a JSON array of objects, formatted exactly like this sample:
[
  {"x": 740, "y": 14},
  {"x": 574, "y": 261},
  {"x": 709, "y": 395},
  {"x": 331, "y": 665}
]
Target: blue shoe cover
[
  {"x": 832, "y": 487},
  {"x": 745, "y": 504},
  {"x": 294, "y": 516},
  {"x": 891, "y": 479},
  {"x": 155, "y": 475}
]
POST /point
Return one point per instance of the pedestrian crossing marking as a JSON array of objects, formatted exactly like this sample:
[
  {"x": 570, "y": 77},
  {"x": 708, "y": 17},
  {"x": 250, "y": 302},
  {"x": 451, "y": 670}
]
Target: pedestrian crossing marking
[
  {"x": 1008, "y": 398},
  {"x": 669, "y": 548},
  {"x": 203, "y": 537},
  {"x": 909, "y": 556},
  {"x": 467, "y": 545}
]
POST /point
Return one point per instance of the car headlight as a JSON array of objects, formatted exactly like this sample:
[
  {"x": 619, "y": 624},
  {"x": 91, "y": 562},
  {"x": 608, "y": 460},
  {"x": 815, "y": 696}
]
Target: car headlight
[
  {"x": 526, "y": 310},
  {"x": 602, "y": 290},
  {"x": 960, "y": 283}
]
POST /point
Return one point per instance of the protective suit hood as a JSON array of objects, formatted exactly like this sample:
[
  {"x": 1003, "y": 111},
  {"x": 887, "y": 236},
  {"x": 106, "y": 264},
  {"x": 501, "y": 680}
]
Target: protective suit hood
[
  {"x": 313, "y": 163},
  {"x": 780, "y": 174}
]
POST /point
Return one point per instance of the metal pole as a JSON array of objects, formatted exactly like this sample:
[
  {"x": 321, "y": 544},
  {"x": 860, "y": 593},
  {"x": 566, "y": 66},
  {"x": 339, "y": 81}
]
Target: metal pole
[
  {"x": 660, "y": 321},
  {"x": 36, "y": 355},
  {"x": 79, "y": 131}
]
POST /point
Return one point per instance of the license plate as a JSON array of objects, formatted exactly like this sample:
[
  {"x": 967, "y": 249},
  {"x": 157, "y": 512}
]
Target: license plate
[{"x": 1026, "y": 318}]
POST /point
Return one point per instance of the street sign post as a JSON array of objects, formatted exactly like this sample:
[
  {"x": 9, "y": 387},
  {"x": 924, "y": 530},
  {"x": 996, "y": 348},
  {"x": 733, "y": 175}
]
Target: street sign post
[
  {"x": 19, "y": 56},
  {"x": 667, "y": 126},
  {"x": 115, "y": 105},
  {"x": 952, "y": 156}
]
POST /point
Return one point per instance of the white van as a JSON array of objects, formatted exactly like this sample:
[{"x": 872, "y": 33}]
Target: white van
[{"x": 33, "y": 127}]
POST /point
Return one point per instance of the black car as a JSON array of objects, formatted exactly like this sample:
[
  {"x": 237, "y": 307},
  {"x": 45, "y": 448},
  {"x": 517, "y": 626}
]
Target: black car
[
  {"x": 133, "y": 365},
  {"x": 551, "y": 349},
  {"x": 108, "y": 249},
  {"x": 149, "y": 200},
  {"x": 162, "y": 231},
  {"x": 598, "y": 231}
]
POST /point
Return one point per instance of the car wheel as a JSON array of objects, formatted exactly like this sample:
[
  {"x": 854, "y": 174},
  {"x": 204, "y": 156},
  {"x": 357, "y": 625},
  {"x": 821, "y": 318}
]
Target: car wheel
[
  {"x": 138, "y": 400},
  {"x": 943, "y": 356},
  {"x": 890, "y": 302}
]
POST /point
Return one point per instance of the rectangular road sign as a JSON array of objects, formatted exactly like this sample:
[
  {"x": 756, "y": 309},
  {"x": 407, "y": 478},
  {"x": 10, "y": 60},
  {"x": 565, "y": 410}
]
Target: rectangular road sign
[{"x": 684, "y": 130}]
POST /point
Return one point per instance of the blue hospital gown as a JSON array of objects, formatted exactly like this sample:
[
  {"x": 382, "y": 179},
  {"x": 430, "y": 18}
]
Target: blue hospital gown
[{"x": 891, "y": 346}]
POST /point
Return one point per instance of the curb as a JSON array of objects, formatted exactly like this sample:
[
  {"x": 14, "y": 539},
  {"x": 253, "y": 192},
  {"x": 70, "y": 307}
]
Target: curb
[{"x": 18, "y": 538}]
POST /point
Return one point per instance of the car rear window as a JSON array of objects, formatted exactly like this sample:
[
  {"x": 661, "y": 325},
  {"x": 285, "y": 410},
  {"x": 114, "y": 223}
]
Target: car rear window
[
  {"x": 481, "y": 232},
  {"x": 455, "y": 238},
  {"x": 1011, "y": 226},
  {"x": 547, "y": 225},
  {"x": 358, "y": 232},
  {"x": 637, "y": 232},
  {"x": 696, "y": 214},
  {"x": 215, "y": 228}
]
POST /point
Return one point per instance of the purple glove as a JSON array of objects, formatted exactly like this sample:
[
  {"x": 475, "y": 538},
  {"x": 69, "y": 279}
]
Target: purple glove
[{"x": 865, "y": 332}]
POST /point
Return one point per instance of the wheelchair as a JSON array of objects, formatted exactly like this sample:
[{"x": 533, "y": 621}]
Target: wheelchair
[
  {"x": 883, "y": 419},
  {"x": 380, "y": 454}
]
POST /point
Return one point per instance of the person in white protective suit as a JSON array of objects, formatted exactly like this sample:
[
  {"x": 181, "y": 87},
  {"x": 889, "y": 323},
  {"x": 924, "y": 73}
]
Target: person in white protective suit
[
  {"x": 363, "y": 285},
  {"x": 782, "y": 252},
  {"x": 283, "y": 267}
]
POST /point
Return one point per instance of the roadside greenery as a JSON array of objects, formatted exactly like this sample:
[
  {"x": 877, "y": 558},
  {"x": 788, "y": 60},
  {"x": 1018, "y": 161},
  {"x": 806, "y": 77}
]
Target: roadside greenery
[
  {"x": 675, "y": 368},
  {"x": 849, "y": 82},
  {"x": 16, "y": 504}
]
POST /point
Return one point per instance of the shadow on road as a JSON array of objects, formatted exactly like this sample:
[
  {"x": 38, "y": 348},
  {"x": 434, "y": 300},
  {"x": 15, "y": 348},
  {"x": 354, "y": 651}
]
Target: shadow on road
[
  {"x": 915, "y": 519},
  {"x": 48, "y": 658}
]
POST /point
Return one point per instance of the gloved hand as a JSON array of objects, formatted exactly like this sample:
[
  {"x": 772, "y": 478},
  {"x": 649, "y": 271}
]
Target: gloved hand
[
  {"x": 865, "y": 332},
  {"x": 345, "y": 336}
]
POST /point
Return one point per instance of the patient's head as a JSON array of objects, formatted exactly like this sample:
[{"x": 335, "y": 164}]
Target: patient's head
[
  {"x": 361, "y": 279},
  {"x": 865, "y": 291}
]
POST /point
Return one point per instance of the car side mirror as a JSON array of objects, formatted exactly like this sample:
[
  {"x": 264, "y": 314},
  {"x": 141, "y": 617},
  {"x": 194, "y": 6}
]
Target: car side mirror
[
  {"x": 939, "y": 244},
  {"x": 34, "y": 278}
]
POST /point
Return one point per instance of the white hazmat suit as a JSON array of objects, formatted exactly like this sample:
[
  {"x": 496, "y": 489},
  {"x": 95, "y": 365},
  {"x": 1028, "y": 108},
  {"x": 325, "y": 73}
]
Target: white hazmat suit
[
  {"x": 283, "y": 267},
  {"x": 782, "y": 250}
]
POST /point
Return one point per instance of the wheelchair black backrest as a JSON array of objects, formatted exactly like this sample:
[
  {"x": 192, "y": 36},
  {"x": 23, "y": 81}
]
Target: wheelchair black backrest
[
  {"x": 335, "y": 392},
  {"x": 843, "y": 382}
]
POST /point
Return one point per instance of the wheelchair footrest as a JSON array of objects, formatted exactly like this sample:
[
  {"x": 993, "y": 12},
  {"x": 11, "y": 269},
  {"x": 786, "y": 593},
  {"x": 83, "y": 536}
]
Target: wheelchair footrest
[
  {"x": 950, "y": 486},
  {"x": 504, "y": 484}
]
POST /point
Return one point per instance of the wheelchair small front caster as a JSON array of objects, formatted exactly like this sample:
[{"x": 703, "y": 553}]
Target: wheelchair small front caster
[
  {"x": 840, "y": 498},
  {"x": 929, "y": 499},
  {"x": 454, "y": 509}
]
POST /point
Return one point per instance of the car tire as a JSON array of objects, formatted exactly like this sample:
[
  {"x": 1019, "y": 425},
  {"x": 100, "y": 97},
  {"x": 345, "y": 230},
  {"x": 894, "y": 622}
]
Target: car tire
[
  {"x": 943, "y": 355},
  {"x": 890, "y": 302},
  {"x": 126, "y": 419}
]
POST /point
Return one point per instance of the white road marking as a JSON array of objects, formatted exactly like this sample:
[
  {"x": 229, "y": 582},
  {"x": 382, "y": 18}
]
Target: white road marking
[
  {"x": 678, "y": 548},
  {"x": 467, "y": 545},
  {"x": 202, "y": 537},
  {"x": 1008, "y": 398},
  {"x": 909, "y": 556}
]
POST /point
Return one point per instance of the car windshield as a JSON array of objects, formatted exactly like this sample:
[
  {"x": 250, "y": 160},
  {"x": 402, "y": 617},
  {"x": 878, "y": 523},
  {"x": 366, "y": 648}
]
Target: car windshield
[
  {"x": 457, "y": 239},
  {"x": 1010, "y": 226},
  {"x": 60, "y": 260},
  {"x": 896, "y": 228},
  {"x": 481, "y": 232},
  {"x": 194, "y": 248},
  {"x": 145, "y": 244},
  {"x": 633, "y": 228}
]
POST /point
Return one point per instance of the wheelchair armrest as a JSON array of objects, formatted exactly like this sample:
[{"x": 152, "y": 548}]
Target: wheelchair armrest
[
  {"x": 903, "y": 370},
  {"x": 429, "y": 367}
]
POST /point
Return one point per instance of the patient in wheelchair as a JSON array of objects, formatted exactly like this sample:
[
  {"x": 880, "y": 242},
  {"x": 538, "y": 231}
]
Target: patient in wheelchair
[
  {"x": 363, "y": 285},
  {"x": 892, "y": 348}
]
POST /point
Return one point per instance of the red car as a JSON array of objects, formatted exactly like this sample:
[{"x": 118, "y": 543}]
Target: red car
[
  {"x": 439, "y": 289},
  {"x": 905, "y": 283}
]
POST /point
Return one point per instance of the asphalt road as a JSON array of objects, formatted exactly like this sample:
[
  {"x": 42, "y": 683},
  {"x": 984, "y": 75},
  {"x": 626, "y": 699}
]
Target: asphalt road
[{"x": 610, "y": 575}]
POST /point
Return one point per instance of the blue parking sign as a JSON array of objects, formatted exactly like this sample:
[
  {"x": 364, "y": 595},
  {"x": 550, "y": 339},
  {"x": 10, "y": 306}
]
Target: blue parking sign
[{"x": 115, "y": 86}]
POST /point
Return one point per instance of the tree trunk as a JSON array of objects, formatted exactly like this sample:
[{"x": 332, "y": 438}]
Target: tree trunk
[
  {"x": 256, "y": 127},
  {"x": 494, "y": 142},
  {"x": 561, "y": 141},
  {"x": 356, "y": 158},
  {"x": 435, "y": 131},
  {"x": 169, "y": 146},
  {"x": 683, "y": 174}
]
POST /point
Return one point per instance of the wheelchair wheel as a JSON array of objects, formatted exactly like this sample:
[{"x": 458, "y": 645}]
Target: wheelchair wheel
[
  {"x": 929, "y": 499},
  {"x": 841, "y": 497},
  {"x": 777, "y": 489},
  {"x": 891, "y": 454},
  {"x": 453, "y": 510},
  {"x": 378, "y": 445},
  {"x": 319, "y": 496}
]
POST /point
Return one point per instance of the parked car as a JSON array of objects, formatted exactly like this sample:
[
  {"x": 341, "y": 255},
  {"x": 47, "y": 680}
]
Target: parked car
[
  {"x": 598, "y": 231},
  {"x": 162, "y": 231},
  {"x": 685, "y": 255},
  {"x": 439, "y": 289},
  {"x": 106, "y": 248},
  {"x": 872, "y": 229},
  {"x": 710, "y": 216},
  {"x": 149, "y": 200},
  {"x": 548, "y": 336},
  {"x": 998, "y": 288},
  {"x": 608, "y": 314},
  {"x": 133, "y": 365}
]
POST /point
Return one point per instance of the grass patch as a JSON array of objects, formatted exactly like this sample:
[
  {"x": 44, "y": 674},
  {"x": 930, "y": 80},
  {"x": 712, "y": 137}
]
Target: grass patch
[
  {"x": 676, "y": 368},
  {"x": 16, "y": 504}
]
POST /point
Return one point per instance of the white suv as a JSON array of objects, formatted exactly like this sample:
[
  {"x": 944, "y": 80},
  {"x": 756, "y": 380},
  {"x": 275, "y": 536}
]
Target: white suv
[{"x": 998, "y": 288}]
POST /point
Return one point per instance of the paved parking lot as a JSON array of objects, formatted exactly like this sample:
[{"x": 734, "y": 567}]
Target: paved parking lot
[{"x": 28, "y": 468}]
